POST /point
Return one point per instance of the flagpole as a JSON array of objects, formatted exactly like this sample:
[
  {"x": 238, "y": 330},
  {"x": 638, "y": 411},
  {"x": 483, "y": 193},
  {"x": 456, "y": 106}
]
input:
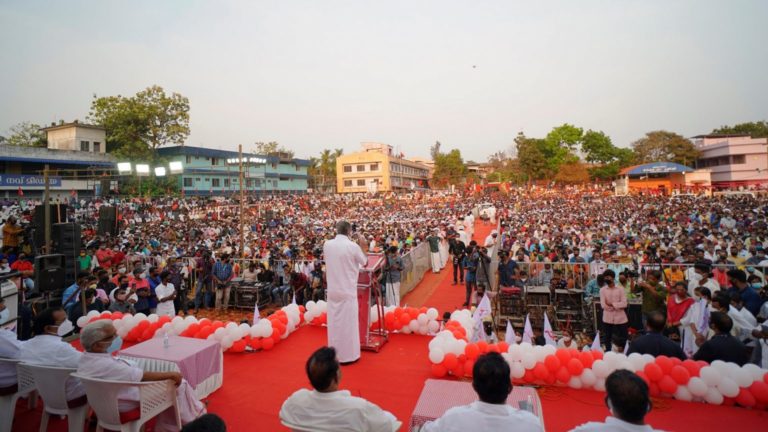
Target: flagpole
[{"x": 47, "y": 209}]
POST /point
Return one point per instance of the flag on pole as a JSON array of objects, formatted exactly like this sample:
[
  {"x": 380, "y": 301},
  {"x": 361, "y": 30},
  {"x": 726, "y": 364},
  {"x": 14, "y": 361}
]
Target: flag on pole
[
  {"x": 294, "y": 298},
  {"x": 596, "y": 343},
  {"x": 20, "y": 192},
  {"x": 510, "y": 338},
  {"x": 483, "y": 310},
  {"x": 549, "y": 335},
  {"x": 528, "y": 330},
  {"x": 256, "y": 315},
  {"x": 626, "y": 347}
]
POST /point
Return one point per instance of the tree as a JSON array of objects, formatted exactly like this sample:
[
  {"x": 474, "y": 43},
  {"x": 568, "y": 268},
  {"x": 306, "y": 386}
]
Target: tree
[
  {"x": 449, "y": 168},
  {"x": 757, "y": 129},
  {"x": 322, "y": 170},
  {"x": 572, "y": 173},
  {"x": 565, "y": 136},
  {"x": 531, "y": 157},
  {"x": 434, "y": 151},
  {"x": 271, "y": 148},
  {"x": 664, "y": 146},
  {"x": 138, "y": 125},
  {"x": 26, "y": 134}
]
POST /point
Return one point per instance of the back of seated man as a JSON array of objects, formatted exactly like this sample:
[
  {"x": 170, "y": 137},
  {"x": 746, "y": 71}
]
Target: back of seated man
[
  {"x": 10, "y": 348},
  {"x": 326, "y": 408},
  {"x": 722, "y": 346},
  {"x": 628, "y": 401},
  {"x": 492, "y": 384},
  {"x": 654, "y": 342}
]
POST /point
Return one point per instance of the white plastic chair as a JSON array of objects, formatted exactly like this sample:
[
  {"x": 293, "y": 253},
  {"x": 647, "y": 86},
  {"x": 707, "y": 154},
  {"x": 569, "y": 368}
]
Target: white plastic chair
[
  {"x": 154, "y": 398},
  {"x": 25, "y": 388},
  {"x": 50, "y": 383}
]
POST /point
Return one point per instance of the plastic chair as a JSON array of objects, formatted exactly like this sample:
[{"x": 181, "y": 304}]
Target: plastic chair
[
  {"x": 154, "y": 398},
  {"x": 24, "y": 387},
  {"x": 50, "y": 383}
]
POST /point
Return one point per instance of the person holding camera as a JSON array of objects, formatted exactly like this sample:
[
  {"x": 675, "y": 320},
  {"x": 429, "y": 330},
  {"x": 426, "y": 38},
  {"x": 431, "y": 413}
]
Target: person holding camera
[
  {"x": 458, "y": 250},
  {"x": 392, "y": 269},
  {"x": 654, "y": 294}
]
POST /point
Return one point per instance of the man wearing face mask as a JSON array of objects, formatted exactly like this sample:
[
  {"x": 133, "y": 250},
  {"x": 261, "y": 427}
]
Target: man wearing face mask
[
  {"x": 140, "y": 286},
  {"x": 121, "y": 303},
  {"x": 628, "y": 401},
  {"x": 48, "y": 349},
  {"x": 100, "y": 340}
]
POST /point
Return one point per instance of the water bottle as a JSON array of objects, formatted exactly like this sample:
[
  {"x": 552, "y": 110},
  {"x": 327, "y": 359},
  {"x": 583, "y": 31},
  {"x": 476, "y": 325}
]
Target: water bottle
[{"x": 165, "y": 340}]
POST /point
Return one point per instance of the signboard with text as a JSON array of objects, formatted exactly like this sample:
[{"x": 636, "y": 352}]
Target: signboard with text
[{"x": 20, "y": 180}]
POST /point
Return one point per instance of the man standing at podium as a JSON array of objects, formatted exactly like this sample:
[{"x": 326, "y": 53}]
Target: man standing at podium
[{"x": 343, "y": 259}]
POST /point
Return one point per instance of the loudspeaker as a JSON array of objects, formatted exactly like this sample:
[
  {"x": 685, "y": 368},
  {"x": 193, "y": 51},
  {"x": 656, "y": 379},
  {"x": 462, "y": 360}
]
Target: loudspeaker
[
  {"x": 58, "y": 215},
  {"x": 107, "y": 221},
  {"x": 67, "y": 242},
  {"x": 105, "y": 187},
  {"x": 49, "y": 273}
]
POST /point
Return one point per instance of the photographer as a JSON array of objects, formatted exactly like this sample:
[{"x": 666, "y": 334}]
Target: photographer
[
  {"x": 654, "y": 294},
  {"x": 392, "y": 269},
  {"x": 457, "y": 250},
  {"x": 470, "y": 263}
]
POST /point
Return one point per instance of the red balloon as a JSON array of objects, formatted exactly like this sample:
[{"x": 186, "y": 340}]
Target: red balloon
[
  {"x": 483, "y": 345},
  {"x": 765, "y": 378},
  {"x": 106, "y": 314},
  {"x": 472, "y": 351},
  {"x": 552, "y": 362},
  {"x": 493, "y": 348},
  {"x": 680, "y": 374},
  {"x": 439, "y": 371},
  {"x": 238, "y": 346},
  {"x": 668, "y": 385},
  {"x": 117, "y": 315},
  {"x": 760, "y": 390},
  {"x": 540, "y": 371},
  {"x": 575, "y": 367},
  {"x": 458, "y": 371},
  {"x": 468, "y": 366},
  {"x": 653, "y": 372},
  {"x": 745, "y": 398},
  {"x": 450, "y": 361},
  {"x": 193, "y": 328},
  {"x": 586, "y": 359},
  {"x": 653, "y": 389},
  {"x": 217, "y": 324},
  {"x": 256, "y": 343},
  {"x": 550, "y": 379},
  {"x": 143, "y": 324},
  {"x": 563, "y": 355},
  {"x": 597, "y": 354},
  {"x": 529, "y": 377},
  {"x": 642, "y": 375},
  {"x": 503, "y": 347},
  {"x": 204, "y": 322},
  {"x": 405, "y": 319},
  {"x": 163, "y": 319},
  {"x": 267, "y": 344},
  {"x": 692, "y": 367},
  {"x": 729, "y": 401},
  {"x": 665, "y": 363},
  {"x": 563, "y": 375}
]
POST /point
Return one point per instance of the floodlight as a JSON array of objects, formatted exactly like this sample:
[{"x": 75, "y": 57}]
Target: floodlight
[
  {"x": 124, "y": 167},
  {"x": 159, "y": 171},
  {"x": 175, "y": 167},
  {"x": 142, "y": 170}
]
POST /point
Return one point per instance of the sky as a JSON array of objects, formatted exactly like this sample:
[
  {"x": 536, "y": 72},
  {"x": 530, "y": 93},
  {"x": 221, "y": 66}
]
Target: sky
[{"x": 331, "y": 74}]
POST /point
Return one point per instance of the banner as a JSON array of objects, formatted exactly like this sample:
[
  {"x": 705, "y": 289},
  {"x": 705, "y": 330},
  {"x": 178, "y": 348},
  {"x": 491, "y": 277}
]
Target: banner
[{"x": 21, "y": 180}]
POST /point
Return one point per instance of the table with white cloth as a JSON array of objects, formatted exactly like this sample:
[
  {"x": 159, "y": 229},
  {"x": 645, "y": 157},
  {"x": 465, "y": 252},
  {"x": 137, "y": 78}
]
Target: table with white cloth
[
  {"x": 438, "y": 396},
  {"x": 199, "y": 361}
]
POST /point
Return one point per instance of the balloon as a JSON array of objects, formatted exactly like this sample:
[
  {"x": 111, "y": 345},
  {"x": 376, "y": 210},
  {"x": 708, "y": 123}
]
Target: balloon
[
  {"x": 680, "y": 374},
  {"x": 698, "y": 387},
  {"x": 745, "y": 398},
  {"x": 468, "y": 366},
  {"x": 472, "y": 351},
  {"x": 563, "y": 355},
  {"x": 503, "y": 346},
  {"x": 600, "y": 368},
  {"x": 433, "y": 326},
  {"x": 432, "y": 313},
  {"x": 516, "y": 370},
  {"x": 710, "y": 375},
  {"x": 458, "y": 371},
  {"x": 667, "y": 384},
  {"x": 642, "y": 375},
  {"x": 540, "y": 371},
  {"x": 754, "y": 371},
  {"x": 256, "y": 343},
  {"x": 586, "y": 359},
  {"x": 483, "y": 346},
  {"x": 713, "y": 397},
  {"x": 267, "y": 344},
  {"x": 82, "y": 321},
  {"x": 588, "y": 378},
  {"x": 653, "y": 372},
  {"x": 563, "y": 375},
  {"x": 575, "y": 383},
  {"x": 683, "y": 394},
  {"x": 728, "y": 387},
  {"x": 528, "y": 360},
  {"x": 653, "y": 389},
  {"x": 742, "y": 377},
  {"x": 439, "y": 371},
  {"x": 436, "y": 355},
  {"x": 238, "y": 346},
  {"x": 600, "y": 384},
  {"x": 450, "y": 361},
  {"x": 552, "y": 362},
  {"x": 665, "y": 363},
  {"x": 575, "y": 367},
  {"x": 760, "y": 390},
  {"x": 692, "y": 368}
]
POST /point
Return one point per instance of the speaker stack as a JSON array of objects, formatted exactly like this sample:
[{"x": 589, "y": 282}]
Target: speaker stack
[
  {"x": 67, "y": 242},
  {"x": 58, "y": 215},
  {"x": 49, "y": 273},
  {"x": 107, "y": 221}
]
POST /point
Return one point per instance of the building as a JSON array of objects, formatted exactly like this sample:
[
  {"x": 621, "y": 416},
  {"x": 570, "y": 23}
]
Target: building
[
  {"x": 429, "y": 163},
  {"x": 480, "y": 170},
  {"x": 665, "y": 178},
  {"x": 736, "y": 161},
  {"x": 377, "y": 169},
  {"x": 216, "y": 172},
  {"x": 76, "y": 159}
]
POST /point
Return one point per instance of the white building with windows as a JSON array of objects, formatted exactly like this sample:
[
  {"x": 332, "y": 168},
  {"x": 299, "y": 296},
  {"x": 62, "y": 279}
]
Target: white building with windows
[
  {"x": 377, "y": 169},
  {"x": 77, "y": 136}
]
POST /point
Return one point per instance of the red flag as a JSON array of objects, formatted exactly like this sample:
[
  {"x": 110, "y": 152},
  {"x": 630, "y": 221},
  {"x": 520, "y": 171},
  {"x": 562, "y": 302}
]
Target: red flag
[
  {"x": 73, "y": 193},
  {"x": 21, "y": 192}
]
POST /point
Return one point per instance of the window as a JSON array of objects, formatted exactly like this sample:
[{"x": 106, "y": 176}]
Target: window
[
  {"x": 96, "y": 147},
  {"x": 187, "y": 181},
  {"x": 207, "y": 180},
  {"x": 197, "y": 179},
  {"x": 189, "y": 159},
  {"x": 374, "y": 167},
  {"x": 360, "y": 168},
  {"x": 214, "y": 161},
  {"x": 347, "y": 183},
  {"x": 739, "y": 159},
  {"x": 215, "y": 182},
  {"x": 226, "y": 183},
  {"x": 361, "y": 182},
  {"x": 84, "y": 146},
  {"x": 347, "y": 168}
]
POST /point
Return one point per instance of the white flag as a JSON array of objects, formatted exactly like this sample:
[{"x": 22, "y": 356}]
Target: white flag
[
  {"x": 626, "y": 347},
  {"x": 510, "y": 338},
  {"x": 549, "y": 336},
  {"x": 256, "y": 315},
  {"x": 294, "y": 298},
  {"x": 528, "y": 330},
  {"x": 596, "y": 343},
  {"x": 483, "y": 309}
]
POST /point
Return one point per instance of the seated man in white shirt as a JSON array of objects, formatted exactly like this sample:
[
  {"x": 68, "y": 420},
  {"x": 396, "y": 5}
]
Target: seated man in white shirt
[
  {"x": 491, "y": 413},
  {"x": 628, "y": 401},
  {"x": 10, "y": 348},
  {"x": 326, "y": 408},
  {"x": 100, "y": 340},
  {"x": 48, "y": 349}
]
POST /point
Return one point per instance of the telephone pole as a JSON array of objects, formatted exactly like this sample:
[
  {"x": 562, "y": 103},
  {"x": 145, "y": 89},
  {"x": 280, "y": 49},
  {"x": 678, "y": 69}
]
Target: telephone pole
[
  {"x": 242, "y": 204},
  {"x": 47, "y": 209}
]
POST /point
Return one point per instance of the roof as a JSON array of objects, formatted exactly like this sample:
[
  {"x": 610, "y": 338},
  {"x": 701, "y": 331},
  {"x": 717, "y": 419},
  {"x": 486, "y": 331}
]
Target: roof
[
  {"x": 723, "y": 135},
  {"x": 216, "y": 153},
  {"x": 75, "y": 124},
  {"x": 655, "y": 168},
  {"x": 44, "y": 155}
]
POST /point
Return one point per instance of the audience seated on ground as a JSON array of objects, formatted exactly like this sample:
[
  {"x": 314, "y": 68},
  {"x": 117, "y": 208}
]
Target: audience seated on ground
[
  {"x": 722, "y": 346},
  {"x": 654, "y": 342},
  {"x": 100, "y": 340},
  {"x": 492, "y": 384},
  {"x": 326, "y": 408},
  {"x": 628, "y": 401}
]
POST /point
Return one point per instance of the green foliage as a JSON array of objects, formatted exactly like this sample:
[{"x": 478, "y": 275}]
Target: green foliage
[
  {"x": 322, "y": 170},
  {"x": 757, "y": 129},
  {"x": 532, "y": 157},
  {"x": 272, "y": 148},
  {"x": 565, "y": 136},
  {"x": 434, "y": 151},
  {"x": 449, "y": 168},
  {"x": 26, "y": 134},
  {"x": 664, "y": 146},
  {"x": 138, "y": 125},
  {"x": 598, "y": 148}
]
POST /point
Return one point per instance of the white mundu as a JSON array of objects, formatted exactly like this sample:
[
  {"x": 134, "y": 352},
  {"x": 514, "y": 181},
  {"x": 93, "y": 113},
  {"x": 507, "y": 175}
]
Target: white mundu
[
  {"x": 336, "y": 411},
  {"x": 343, "y": 259}
]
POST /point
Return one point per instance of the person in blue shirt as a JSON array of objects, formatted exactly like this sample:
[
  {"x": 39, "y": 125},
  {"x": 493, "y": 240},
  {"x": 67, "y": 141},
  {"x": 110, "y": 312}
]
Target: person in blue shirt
[
  {"x": 71, "y": 293},
  {"x": 750, "y": 297},
  {"x": 222, "y": 275},
  {"x": 507, "y": 270},
  {"x": 154, "y": 281}
]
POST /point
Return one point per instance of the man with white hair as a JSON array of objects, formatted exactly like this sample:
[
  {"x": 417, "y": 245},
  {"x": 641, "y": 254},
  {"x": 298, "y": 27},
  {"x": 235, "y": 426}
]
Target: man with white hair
[{"x": 100, "y": 340}]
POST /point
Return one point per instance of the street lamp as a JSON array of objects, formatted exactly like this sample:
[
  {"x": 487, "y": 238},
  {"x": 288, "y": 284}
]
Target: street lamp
[
  {"x": 175, "y": 167},
  {"x": 159, "y": 171},
  {"x": 124, "y": 167}
]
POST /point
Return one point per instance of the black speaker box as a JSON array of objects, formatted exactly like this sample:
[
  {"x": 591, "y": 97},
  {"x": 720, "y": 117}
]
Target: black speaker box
[
  {"x": 58, "y": 215},
  {"x": 67, "y": 242},
  {"x": 107, "y": 221},
  {"x": 49, "y": 273}
]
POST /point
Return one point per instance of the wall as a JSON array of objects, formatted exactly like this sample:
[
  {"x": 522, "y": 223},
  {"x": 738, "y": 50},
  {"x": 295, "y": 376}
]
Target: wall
[
  {"x": 69, "y": 138},
  {"x": 366, "y": 159},
  {"x": 753, "y": 170}
]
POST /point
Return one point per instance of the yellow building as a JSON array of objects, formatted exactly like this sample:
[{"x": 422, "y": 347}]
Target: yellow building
[{"x": 377, "y": 169}]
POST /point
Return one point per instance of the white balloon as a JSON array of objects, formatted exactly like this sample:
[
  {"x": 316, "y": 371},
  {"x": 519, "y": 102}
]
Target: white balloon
[
  {"x": 720, "y": 366},
  {"x": 588, "y": 378},
  {"x": 601, "y": 369},
  {"x": 683, "y": 394},
  {"x": 526, "y": 346},
  {"x": 600, "y": 384},
  {"x": 637, "y": 361},
  {"x": 754, "y": 371},
  {"x": 648, "y": 358},
  {"x": 459, "y": 346},
  {"x": 219, "y": 333},
  {"x": 177, "y": 319},
  {"x": 517, "y": 370},
  {"x": 697, "y": 387},
  {"x": 433, "y": 326},
  {"x": 230, "y": 325},
  {"x": 82, "y": 321},
  {"x": 710, "y": 375},
  {"x": 432, "y": 313},
  {"x": 575, "y": 383},
  {"x": 140, "y": 316},
  {"x": 540, "y": 353},
  {"x": 92, "y": 314},
  {"x": 742, "y": 377},
  {"x": 549, "y": 350},
  {"x": 713, "y": 396},
  {"x": 436, "y": 355},
  {"x": 189, "y": 319},
  {"x": 153, "y": 318},
  {"x": 406, "y": 330},
  {"x": 423, "y": 329},
  {"x": 375, "y": 315},
  {"x": 528, "y": 360},
  {"x": 413, "y": 325},
  {"x": 422, "y": 319},
  {"x": 728, "y": 387},
  {"x": 515, "y": 352}
]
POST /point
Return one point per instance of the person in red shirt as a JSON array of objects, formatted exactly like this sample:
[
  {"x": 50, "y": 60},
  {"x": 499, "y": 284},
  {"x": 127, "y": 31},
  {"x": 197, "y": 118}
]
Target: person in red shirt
[
  {"x": 104, "y": 256},
  {"x": 23, "y": 265},
  {"x": 118, "y": 257}
]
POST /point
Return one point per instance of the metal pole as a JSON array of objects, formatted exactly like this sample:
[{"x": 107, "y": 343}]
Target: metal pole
[
  {"x": 47, "y": 209},
  {"x": 242, "y": 205}
]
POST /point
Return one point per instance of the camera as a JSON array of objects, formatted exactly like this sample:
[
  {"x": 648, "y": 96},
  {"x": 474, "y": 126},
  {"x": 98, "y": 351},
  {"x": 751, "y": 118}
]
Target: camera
[{"x": 631, "y": 273}]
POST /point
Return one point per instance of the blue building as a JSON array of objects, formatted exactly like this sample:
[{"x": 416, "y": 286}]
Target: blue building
[{"x": 216, "y": 172}]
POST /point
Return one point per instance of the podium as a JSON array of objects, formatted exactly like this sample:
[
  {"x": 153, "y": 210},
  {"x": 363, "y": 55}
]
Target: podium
[{"x": 368, "y": 295}]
